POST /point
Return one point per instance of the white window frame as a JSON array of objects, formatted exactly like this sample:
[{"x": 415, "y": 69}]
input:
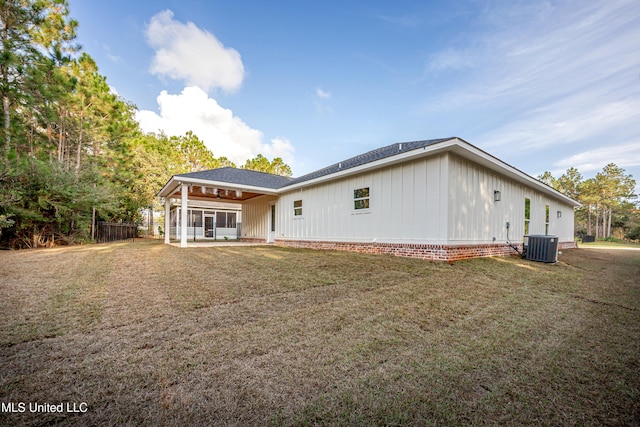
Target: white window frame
[
  {"x": 547, "y": 216},
  {"x": 527, "y": 219},
  {"x": 362, "y": 198},
  {"x": 297, "y": 210}
]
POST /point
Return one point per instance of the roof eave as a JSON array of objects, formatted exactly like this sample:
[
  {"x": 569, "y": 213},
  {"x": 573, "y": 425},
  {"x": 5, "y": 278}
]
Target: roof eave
[
  {"x": 387, "y": 161},
  {"x": 491, "y": 162},
  {"x": 168, "y": 188},
  {"x": 175, "y": 181},
  {"x": 454, "y": 145}
]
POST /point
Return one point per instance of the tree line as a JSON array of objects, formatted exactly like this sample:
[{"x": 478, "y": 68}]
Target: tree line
[
  {"x": 607, "y": 201},
  {"x": 71, "y": 152}
]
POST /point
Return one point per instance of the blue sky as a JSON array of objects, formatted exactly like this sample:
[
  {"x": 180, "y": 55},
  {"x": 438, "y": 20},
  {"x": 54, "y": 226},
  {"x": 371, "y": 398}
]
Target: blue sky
[{"x": 542, "y": 85}]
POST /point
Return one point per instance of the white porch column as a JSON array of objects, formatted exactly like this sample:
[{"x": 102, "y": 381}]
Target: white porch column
[
  {"x": 183, "y": 215},
  {"x": 167, "y": 219}
]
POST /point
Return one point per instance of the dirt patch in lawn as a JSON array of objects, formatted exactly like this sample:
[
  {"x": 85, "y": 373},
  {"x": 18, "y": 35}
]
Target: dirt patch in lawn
[{"x": 146, "y": 333}]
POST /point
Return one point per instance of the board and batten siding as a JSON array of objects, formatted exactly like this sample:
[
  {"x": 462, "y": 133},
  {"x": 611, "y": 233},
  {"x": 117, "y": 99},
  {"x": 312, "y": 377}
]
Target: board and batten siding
[
  {"x": 255, "y": 213},
  {"x": 407, "y": 204},
  {"x": 474, "y": 216}
]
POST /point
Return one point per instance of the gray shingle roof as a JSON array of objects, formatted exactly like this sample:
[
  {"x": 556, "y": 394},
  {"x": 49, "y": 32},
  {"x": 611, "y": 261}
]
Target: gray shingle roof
[
  {"x": 368, "y": 157},
  {"x": 240, "y": 176},
  {"x": 276, "y": 182},
  {"x": 267, "y": 180}
]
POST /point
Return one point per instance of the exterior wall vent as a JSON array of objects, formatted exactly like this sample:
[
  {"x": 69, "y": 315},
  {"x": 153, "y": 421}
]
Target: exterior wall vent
[{"x": 541, "y": 248}]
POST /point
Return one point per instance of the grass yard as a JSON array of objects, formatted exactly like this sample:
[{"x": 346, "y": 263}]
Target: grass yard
[
  {"x": 608, "y": 244},
  {"x": 149, "y": 334}
]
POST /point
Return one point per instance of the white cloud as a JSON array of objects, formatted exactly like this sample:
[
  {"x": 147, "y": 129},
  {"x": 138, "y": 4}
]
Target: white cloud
[
  {"x": 538, "y": 82},
  {"x": 322, "y": 101},
  {"x": 322, "y": 94},
  {"x": 624, "y": 155},
  {"x": 401, "y": 20},
  {"x": 187, "y": 53},
  {"x": 449, "y": 59},
  {"x": 114, "y": 58},
  {"x": 222, "y": 132},
  {"x": 280, "y": 147},
  {"x": 572, "y": 120}
]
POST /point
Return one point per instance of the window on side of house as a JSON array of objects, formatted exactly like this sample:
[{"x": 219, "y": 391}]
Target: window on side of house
[
  {"x": 297, "y": 208},
  {"x": 273, "y": 218},
  {"x": 361, "y": 198},
  {"x": 527, "y": 215},
  {"x": 546, "y": 220}
]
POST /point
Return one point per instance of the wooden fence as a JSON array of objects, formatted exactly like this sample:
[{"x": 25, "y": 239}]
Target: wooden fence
[{"x": 113, "y": 231}]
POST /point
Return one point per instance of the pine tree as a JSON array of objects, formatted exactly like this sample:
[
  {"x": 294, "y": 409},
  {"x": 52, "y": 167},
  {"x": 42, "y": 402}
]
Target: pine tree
[
  {"x": 18, "y": 18},
  {"x": 262, "y": 164}
]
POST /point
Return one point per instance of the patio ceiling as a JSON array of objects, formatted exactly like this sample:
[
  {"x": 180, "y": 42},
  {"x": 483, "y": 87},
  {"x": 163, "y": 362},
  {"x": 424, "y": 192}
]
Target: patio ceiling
[{"x": 216, "y": 194}]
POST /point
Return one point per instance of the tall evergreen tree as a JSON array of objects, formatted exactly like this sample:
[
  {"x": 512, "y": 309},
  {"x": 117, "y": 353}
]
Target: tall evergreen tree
[
  {"x": 569, "y": 183},
  {"x": 548, "y": 179},
  {"x": 18, "y": 19},
  {"x": 262, "y": 164},
  {"x": 70, "y": 149},
  {"x": 615, "y": 189},
  {"x": 609, "y": 192}
]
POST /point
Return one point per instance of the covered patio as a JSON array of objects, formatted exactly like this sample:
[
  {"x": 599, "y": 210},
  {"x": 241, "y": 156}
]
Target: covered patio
[
  {"x": 222, "y": 243},
  {"x": 225, "y": 185},
  {"x": 206, "y": 220}
]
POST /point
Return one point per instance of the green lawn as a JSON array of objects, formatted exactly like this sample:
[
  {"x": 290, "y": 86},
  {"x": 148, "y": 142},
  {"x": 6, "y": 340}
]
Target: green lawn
[{"x": 150, "y": 334}]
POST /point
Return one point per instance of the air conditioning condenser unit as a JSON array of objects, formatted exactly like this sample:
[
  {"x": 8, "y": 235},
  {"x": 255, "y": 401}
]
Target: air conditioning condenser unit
[{"x": 541, "y": 248}]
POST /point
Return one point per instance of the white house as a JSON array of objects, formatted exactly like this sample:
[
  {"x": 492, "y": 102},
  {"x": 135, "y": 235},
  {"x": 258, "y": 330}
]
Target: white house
[{"x": 441, "y": 199}]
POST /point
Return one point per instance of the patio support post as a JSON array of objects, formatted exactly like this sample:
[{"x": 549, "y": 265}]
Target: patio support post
[
  {"x": 167, "y": 219},
  {"x": 183, "y": 215}
]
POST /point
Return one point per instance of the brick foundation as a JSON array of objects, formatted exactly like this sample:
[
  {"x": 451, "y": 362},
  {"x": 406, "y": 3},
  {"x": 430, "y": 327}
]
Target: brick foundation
[
  {"x": 567, "y": 245},
  {"x": 412, "y": 250},
  {"x": 252, "y": 240}
]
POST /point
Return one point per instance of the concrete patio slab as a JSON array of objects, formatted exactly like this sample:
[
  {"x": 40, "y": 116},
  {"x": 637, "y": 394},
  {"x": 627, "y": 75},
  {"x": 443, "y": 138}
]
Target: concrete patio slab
[{"x": 217, "y": 243}]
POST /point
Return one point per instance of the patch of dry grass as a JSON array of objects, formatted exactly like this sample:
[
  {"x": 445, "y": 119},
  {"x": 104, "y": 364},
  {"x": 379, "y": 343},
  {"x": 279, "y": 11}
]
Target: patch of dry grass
[{"x": 151, "y": 334}]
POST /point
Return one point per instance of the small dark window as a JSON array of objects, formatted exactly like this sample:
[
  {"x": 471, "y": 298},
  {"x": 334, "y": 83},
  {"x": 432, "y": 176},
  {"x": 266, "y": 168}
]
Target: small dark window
[
  {"x": 273, "y": 217},
  {"x": 361, "y": 198},
  {"x": 527, "y": 215},
  {"x": 546, "y": 221},
  {"x": 297, "y": 208}
]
